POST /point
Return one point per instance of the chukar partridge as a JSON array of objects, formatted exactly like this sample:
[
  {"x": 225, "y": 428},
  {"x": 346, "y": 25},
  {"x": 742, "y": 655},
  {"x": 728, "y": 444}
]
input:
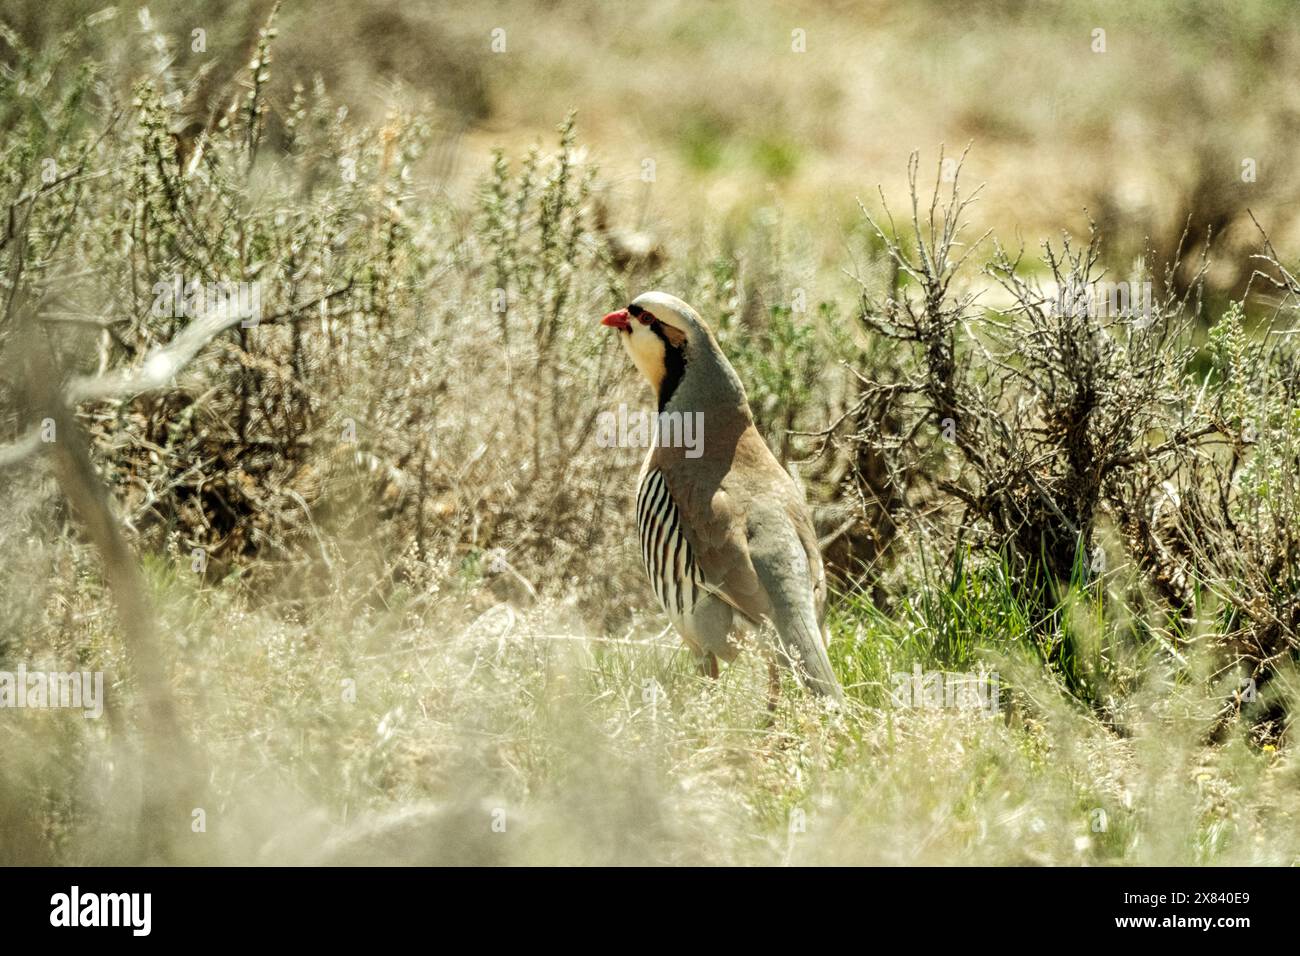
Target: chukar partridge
[{"x": 724, "y": 530}]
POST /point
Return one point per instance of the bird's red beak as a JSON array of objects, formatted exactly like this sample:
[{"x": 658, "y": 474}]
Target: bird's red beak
[{"x": 616, "y": 320}]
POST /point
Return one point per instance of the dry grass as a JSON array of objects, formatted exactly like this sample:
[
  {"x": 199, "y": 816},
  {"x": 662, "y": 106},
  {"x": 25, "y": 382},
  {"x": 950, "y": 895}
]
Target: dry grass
[{"x": 498, "y": 739}]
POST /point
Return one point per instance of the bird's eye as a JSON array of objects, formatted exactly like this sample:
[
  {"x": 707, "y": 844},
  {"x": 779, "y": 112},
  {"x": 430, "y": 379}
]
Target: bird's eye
[{"x": 640, "y": 314}]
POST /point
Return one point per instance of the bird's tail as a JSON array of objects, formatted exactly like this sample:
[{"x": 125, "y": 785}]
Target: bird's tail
[
  {"x": 783, "y": 571},
  {"x": 805, "y": 651}
]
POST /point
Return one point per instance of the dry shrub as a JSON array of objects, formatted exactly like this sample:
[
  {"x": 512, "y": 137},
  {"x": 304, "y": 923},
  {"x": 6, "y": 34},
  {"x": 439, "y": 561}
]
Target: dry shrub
[
  {"x": 1026, "y": 426},
  {"x": 1048, "y": 402}
]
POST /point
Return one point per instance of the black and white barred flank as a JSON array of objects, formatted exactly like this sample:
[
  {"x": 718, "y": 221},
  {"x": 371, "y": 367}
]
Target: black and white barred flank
[{"x": 664, "y": 549}]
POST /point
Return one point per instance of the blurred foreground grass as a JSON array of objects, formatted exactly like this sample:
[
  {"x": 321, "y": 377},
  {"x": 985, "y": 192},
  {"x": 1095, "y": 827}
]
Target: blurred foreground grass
[{"x": 395, "y": 734}]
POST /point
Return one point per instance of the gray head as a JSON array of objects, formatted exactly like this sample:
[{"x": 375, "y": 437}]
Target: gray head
[{"x": 676, "y": 352}]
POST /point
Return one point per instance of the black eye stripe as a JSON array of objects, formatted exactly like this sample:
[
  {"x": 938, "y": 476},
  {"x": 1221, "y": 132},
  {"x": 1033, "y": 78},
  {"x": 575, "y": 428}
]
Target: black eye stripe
[{"x": 674, "y": 364}]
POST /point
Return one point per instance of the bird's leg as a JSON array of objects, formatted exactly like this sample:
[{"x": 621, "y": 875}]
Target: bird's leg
[
  {"x": 773, "y": 683},
  {"x": 709, "y": 665}
]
